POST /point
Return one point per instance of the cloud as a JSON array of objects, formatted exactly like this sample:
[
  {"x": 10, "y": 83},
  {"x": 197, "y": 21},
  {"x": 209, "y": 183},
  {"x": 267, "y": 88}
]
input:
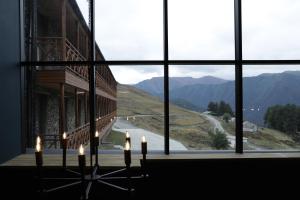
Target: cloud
[
  {"x": 135, "y": 74},
  {"x": 198, "y": 29},
  {"x": 271, "y": 29}
]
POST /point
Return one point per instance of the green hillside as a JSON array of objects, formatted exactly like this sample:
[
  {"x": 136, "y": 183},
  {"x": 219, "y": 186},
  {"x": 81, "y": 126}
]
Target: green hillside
[
  {"x": 265, "y": 138},
  {"x": 186, "y": 126}
]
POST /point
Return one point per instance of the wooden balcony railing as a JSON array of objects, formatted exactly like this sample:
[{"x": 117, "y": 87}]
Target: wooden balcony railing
[
  {"x": 81, "y": 135},
  {"x": 78, "y": 136},
  {"x": 103, "y": 121},
  {"x": 49, "y": 48},
  {"x": 52, "y": 49},
  {"x": 100, "y": 83}
]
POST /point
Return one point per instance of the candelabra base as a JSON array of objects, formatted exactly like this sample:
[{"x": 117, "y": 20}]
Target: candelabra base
[{"x": 87, "y": 180}]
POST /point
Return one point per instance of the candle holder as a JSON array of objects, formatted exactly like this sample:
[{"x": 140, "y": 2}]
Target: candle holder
[
  {"x": 144, "y": 153},
  {"x": 94, "y": 176},
  {"x": 64, "y": 145}
]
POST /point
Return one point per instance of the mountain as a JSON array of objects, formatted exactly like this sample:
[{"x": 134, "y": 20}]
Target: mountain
[
  {"x": 155, "y": 85},
  {"x": 260, "y": 92}
]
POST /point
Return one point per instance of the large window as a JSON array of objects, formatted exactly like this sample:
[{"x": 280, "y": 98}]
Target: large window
[
  {"x": 201, "y": 30},
  {"x": 271, "y": 29},
  {"x": 130, "y": 29},
  {"x": 178, "y": 72},
  {"x": 140, "y": 108},
  {"x": 202, "y": 100},
  {"x": 271, "y": 107}
]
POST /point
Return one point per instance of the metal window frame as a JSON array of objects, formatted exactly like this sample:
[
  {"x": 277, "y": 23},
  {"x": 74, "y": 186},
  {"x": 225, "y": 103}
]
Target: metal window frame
[{"x": 238, "y": 62}]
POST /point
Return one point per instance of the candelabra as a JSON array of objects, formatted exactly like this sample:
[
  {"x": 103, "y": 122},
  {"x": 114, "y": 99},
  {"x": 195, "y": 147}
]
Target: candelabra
[{"x": 94, "y": 176}]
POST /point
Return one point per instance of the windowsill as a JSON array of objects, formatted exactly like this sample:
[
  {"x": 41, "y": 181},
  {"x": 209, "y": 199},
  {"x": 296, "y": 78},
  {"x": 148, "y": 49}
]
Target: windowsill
[{"x": 117, "y": 159}]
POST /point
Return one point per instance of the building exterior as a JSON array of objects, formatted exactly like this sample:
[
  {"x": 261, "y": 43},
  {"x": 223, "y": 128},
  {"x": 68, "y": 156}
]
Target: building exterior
[
  {"x": 249, "y": 127},
  {"x": 55, "y": 30}
]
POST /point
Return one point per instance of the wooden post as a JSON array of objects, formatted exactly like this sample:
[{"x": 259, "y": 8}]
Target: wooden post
[
  {"x": 76, "y": 109},
  {"x": 61, "y": 112},
  {"x": 85, "y": 108},
  {"x": 63, "y": 29},
  {"x": 86, "y": 47},
  {"x": 77, "y": 36}
]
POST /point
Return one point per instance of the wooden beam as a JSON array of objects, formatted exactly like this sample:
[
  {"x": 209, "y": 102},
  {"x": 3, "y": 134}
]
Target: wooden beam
[
  {"x": 77, "y": 124},
  {"x": 77, "y": 36},
  {"x": 61, "y": 111},
  {"x": 85, "y": 108},
  {"x": 63, "y": 28}
]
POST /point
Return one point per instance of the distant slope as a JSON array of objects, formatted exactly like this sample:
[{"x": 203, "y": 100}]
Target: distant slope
[
  {"x": 155, "y": 85},
  {"x": 260, "y": 92},
  {"x": 188, "y": 127},
  {"x": 185, "y": 126}
]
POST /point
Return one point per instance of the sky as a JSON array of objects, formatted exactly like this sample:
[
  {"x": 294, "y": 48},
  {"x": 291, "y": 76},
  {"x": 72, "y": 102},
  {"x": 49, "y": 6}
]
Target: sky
[{"x": 198, "y": 29}]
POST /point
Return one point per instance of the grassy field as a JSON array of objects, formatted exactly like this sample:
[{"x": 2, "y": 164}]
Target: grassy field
[
  {"x": 271, "y": 139},
  {"x": 186, "y": 126},
  {"x": 265, "y": 137}
]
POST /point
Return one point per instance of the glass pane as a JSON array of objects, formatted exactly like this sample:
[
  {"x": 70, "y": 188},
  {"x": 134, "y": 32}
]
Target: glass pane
[
  {"x": 129, "y": 29},
  {"x": 139, "y": 110},
  {"x": 271, "y": 107},
  {"x": 201, "y": 29},
  {"x": 271, "y": 29},
  {"x": 202, "y": 106},
  {"x": 56, "y": 30}
]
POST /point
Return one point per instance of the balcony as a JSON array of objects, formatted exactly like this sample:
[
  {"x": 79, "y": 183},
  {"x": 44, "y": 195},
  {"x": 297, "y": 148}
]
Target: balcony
[{"x": 59, "y": 48}]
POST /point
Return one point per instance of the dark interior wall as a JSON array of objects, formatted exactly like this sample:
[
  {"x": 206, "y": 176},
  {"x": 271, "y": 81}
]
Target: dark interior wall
[
  {"x": 10, "y": 73},
  {"x": 175, "y": 179}
]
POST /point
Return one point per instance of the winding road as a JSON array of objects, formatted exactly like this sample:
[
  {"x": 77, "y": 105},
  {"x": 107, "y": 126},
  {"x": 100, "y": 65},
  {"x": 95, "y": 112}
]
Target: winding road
[{"x": 217, "y": 125}]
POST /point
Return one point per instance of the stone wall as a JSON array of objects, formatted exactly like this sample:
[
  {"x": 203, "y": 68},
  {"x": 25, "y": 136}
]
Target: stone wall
[{"x": 46, "y": 108}]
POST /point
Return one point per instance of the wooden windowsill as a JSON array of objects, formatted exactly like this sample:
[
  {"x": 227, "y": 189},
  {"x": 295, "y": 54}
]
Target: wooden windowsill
[{"x": 117, "y": 160}]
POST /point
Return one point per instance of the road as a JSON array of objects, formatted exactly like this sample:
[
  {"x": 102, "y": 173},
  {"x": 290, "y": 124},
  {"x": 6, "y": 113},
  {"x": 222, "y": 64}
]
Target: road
[
  {"x": 154, "y": 141},
  {"x": 217, "y": 125}
]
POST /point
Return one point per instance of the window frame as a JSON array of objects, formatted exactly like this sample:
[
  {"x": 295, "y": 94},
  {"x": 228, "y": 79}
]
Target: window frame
[{"x": 238, "y": 62}]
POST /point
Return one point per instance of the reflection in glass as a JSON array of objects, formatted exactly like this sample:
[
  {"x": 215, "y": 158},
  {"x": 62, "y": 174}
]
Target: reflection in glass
[{"x": 56, "y": 30}]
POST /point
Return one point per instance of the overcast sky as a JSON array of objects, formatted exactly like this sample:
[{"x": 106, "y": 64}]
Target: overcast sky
[{"x": 198, "y": 29}]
